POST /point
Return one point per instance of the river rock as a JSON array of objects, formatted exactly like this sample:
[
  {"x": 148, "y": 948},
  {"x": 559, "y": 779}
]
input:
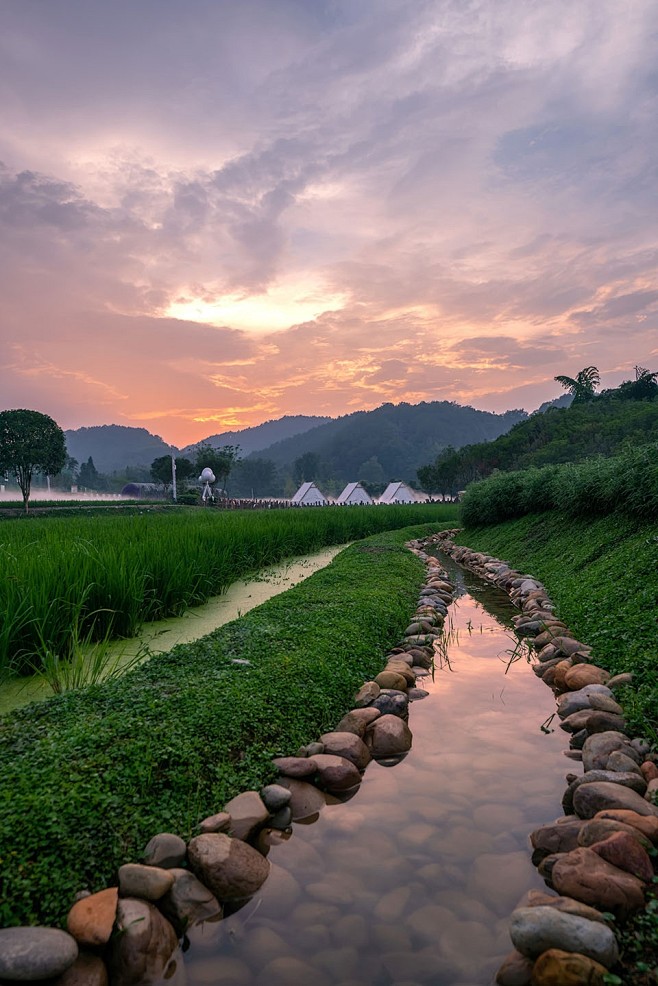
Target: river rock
[
  {"x": 646, "y": 824},
  {"x": 219, "y": 822},
  {"x": 621, "y": 763},
  {"x": 29, "y": 954},
  {"x": 558, "y": 679},
  {"x": 305, "y": 799},
  {"x": 626, "y": 778},
  {"x": 516, "y": 970},
  {"x": 287, "y": 969},
  {"x": 603, "y": 722},
  {"x": 248, "y": 813},
  {"x": 366, "y": 694},
  {"x": 558, "y": 968},
  {"x": 275, "y": 797},
  {"x": 336, "y": 773},
  {"x": 390, "y": 736},
  {"x": 91, "y": 919},
  {"x": 555, "y": 838},
  {"x": 348, "y": 746},
  {"x": 598, "y": 747},
  {"x": 649, "y": 770},
  {"x": 534, "y": 930},
  {"x": 232, "y": 869},
  {"x": 598, "y": 829},
  {"x": 188, "y": 901},
  {"x": 583, "y": 874},
  {"x": 539, "y": 898},
  {"x": 625, "y": 852},
  {"x": 585, "y": 674},
  {"x": 165, "y": 850},
  {"x": 391, "y": 679},
  {"x": 144, "y": 944},
  {"x": 357, "y": 721},
  {"x": 87, "y": 970},
  {"x": 569, "y": 646},
  {"x": 575, "y": 701},
  {"x": 295, "y": 766},
  {"x": 146, "y": 882},
  {"x": 391, "y": 703},
  {"x": 402, "y": 669},
  {"x": 589, "y": 799},
  {"x": 619, "y": 680}
]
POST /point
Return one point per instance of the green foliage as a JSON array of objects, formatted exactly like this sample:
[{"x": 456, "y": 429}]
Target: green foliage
[
  {"x": 601, "y": 426},
  {"x": 625, "y": 483},
  {"x": 220, "y": 460},
  {"x": 30, "y": 442},
  {"x": 88, "y": 777},
  {"x": 583, "y": 387},
  {"x": 151, "y": 564}
]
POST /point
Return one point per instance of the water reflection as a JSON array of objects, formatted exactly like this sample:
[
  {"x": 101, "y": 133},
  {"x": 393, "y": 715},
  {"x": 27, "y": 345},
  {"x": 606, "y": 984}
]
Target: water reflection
[{"x": 412, "y": 881}]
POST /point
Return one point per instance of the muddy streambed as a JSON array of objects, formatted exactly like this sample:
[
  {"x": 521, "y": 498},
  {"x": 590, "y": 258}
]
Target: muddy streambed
[
  {"x": 413, "y": 880},
  {"x": 161, "y": 635}
]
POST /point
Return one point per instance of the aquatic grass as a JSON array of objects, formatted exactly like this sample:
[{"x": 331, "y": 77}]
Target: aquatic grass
[{"x": 152, "y": 564}]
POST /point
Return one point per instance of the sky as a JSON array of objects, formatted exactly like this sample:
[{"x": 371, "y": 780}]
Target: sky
[{"x": 217, "y": 212}]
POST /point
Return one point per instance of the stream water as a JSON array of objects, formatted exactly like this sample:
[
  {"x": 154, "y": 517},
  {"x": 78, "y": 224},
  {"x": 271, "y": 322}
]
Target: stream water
[
  {"x": 413, "y": 880},
  {"x": 161, "y": 635}
]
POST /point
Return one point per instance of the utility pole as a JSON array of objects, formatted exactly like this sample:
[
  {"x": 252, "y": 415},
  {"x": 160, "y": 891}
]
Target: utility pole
[{"x": 173, "y": 478}]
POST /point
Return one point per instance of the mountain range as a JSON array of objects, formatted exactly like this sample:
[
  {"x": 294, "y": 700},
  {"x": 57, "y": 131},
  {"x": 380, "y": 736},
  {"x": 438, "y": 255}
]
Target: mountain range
[{"x": 393, "y": 440}]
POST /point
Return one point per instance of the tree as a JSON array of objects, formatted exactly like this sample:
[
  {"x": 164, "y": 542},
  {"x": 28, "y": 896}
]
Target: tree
[
  {"x": 161, "y": 470},
  {"x": 644, "y": 386},
  {"x": 307, "y": 467},
  {"x": 89, "y": 476},
  {"x": 583, "y": 386},
  {"x": 220, "y": 460},
  {"x": 30, "y": 442},
  {"x": 256, "y": 477}
]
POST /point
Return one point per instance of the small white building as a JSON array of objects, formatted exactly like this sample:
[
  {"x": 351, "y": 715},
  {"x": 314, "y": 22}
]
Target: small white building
[
  {"x": 308, "y": 495},
  {"x": 398, "y": 493},
  {"x": 354, "y": 493}
]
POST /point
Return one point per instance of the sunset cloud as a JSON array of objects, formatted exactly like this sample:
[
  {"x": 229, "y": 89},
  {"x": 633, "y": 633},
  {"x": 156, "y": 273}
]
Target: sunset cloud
[{"x": 215, "y": 213}]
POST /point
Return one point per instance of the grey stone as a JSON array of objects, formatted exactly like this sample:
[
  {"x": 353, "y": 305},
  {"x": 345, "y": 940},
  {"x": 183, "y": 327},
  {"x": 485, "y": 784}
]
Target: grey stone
[
  {"x": 144, "y": 945},
  {"x": 534, "y": 930},
  {"x": 346, "y": 745},
  {"x": 166, "y": 850},
  {"x": 390, "y": 736},
  {"x": 188, "y": 901},
  {"x": 589, "y": 799},
  {"x": 391, "y": 703},
  {"x": 282, "y": 819},
  {"x": 275, "y": 796},
  {"x": 145, "y": 882},
  {"x": 619, "y": 761},
  {"x": 248, "y": 814},
  {"x": 598, "y": 747},
  {"x": 232, "y": 869},
  {"x": 29, "y": 954}
]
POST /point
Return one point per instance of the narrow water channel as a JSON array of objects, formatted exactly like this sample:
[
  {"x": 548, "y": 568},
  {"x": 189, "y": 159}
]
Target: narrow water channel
[{"x": 413, "y": 880}]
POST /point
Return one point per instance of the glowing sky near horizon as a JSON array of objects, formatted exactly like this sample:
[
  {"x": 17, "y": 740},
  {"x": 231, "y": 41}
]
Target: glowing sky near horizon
[{"x": 213, "y": 212}]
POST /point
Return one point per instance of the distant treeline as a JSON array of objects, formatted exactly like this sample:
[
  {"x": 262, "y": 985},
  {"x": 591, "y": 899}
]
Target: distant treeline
[{"x": 599, "y": 427}]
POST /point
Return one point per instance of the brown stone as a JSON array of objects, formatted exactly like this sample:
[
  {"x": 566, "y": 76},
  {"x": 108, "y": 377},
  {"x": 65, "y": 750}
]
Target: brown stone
[
  {"x": 390, "y": 736},
  {"x": 558, "y": 968},
  {"x": 306, "y": 800},
  {"x": 295, "y": 766},
  {"x": 366, "y": 694},
  {"x": 625, "y": 852},
  {"x": 649, "y": 771},
  {"x": 560, "y": 673},
  {"x": 538, "y": 898},
  {"x": 646, "y": 824},
  {"x": 90, "y": 920},
  {"x": 568, "y": 646},
  {"x": 391, "y": 679},
  {"x": 248, "y": 814},
  {"x": 145, "y": 882},
  {"x": 357, "y": 721},
  {"x": 556, "y": 838},
  {"x": 144, "y": 945},
  {"x": 188, "y": 901},
  {"x": 232, "y": 869},
  {"x": 584, "y": 875},
  {"x": 515, "y": 970},
  {"x": 598, "y": 829},
  {"x": 219, "y": 822},
  {"x": 347, "y": 745},
  {"x": 585, "y": 674},
  {"x": 336, "y": 773},
  {"x": 87, "y": 970}
]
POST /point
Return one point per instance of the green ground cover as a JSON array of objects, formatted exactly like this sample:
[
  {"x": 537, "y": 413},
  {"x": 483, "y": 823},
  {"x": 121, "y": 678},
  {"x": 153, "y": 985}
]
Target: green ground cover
[
  {"x": 64, "y": 580},
  {"x": 88, "y": 777}
]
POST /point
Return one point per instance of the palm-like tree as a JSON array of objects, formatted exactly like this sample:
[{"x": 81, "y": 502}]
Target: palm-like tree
[{"x": 583, "y": 386}]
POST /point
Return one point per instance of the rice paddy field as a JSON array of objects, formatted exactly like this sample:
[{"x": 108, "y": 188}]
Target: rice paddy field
[{"x": 67, "y": 580}]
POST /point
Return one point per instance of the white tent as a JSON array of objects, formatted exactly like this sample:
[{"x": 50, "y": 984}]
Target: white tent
[
  {"x": 354, "y": 493},
  {"x": 397, "y": 493},
  {"x": 308, "y": 495}
]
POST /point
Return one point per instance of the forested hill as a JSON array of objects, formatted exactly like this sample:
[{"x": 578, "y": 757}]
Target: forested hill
[
  {"x": 261, "y": 436},
  {"x": 391, "y": 441},
  {"x": 113, "y": 447},
  {"x": 597, "y": 427}
]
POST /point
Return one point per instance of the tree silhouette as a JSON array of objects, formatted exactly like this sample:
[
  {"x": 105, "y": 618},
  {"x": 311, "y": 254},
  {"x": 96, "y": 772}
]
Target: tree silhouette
[
  {"x": 583, "y": 387},
  {"x": 30, "y": 442}
]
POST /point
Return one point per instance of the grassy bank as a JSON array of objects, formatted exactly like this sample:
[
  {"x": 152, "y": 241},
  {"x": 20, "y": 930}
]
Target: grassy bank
[
  {"x": 87, "y": 778},
  {"x": 63, "y": 579},
  {"x": 603, "y": 576}
]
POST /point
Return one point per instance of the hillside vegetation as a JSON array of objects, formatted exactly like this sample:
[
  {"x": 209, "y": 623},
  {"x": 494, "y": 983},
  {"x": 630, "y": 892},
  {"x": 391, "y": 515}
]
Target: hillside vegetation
[{"x": 598, "y": 427}]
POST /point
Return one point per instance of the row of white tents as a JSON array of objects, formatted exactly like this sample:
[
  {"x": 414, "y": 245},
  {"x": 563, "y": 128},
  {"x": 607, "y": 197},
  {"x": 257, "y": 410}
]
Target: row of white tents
[{"x": 308, "y": 495}]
